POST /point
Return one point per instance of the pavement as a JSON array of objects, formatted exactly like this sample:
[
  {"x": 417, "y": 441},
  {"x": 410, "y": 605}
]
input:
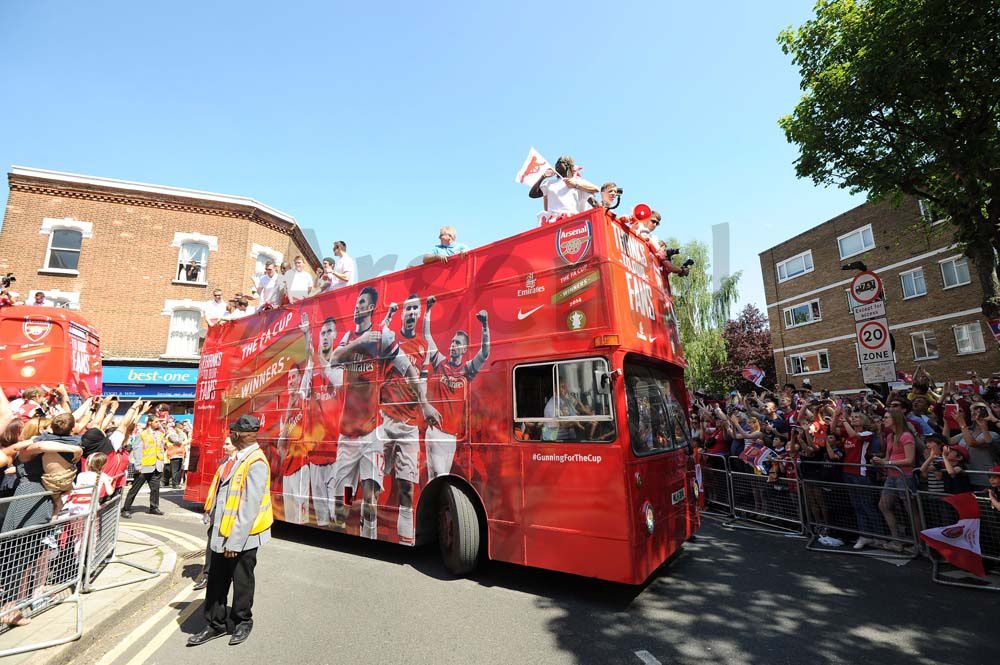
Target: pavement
[{"x": 732, "y": 596}]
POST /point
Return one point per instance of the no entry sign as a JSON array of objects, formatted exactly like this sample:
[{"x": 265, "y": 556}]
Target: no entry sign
[{"x": 866, "y": 287}]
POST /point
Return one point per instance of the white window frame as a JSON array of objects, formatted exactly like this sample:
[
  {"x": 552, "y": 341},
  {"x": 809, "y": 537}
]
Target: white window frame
[
  {"x": 815, "y": 352},
  {"x": 866, "y": 227},
  {"x": 171, "y": 306},
  {"x": 813, "y": 318},
  {"x": 923, "y": 335},
  {"x": 955, "y": 259},
  {"x": 202, "y": 274},
  {"x": 919, "y": 269},
  {"x": 800, "y": 255},
  {"x": 51, "y": 224},
  {"x": 256, "y": 251},
  {"x": 181, "y": 239},
  {"x": 850, "y": 297},
  {"x": 555, "y": 387},
  {"x": 979, "y": 327},
  {"x": 927, "y": 212}
]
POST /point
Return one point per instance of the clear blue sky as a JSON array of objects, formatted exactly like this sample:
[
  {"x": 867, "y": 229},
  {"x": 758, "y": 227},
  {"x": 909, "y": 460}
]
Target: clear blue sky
[{"x": 378, "y": 124}]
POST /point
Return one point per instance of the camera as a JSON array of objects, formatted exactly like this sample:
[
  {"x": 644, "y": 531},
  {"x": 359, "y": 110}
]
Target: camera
[
  {"x": 672, "y": 251},
  {"x": 688, "y": 263},
  {"x": 7, "y": 280}
]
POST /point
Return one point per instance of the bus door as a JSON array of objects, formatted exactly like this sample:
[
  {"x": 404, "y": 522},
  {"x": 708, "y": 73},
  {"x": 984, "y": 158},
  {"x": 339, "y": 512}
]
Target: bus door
[
  {"x": 573, "y": 493},
  {"x": 657, "y": 470}
]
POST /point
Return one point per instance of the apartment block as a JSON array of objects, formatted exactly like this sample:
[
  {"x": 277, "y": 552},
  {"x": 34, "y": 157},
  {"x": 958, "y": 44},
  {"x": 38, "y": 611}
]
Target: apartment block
[{"x": 932, "y": 297}]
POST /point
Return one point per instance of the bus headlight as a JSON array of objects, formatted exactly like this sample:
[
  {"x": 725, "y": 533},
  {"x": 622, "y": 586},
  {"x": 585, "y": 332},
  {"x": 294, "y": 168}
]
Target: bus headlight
[{"x": 647, "y": 511}]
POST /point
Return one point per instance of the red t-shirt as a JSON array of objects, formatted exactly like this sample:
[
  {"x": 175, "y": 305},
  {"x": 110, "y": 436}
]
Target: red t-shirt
[
  {"x": 856, "y": 452},
  {"x": 447, "y": 390},
  {"x": 360, "y": 415},
  {"x": 325, "y": 414},
  {"x": 896, "y": 452},
  {"x": 399, "y": 398},
  {"x": 718, "y": 445}
]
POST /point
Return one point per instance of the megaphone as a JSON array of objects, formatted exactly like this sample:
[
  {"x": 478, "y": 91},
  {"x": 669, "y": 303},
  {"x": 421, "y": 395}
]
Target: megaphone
[{"x": 642, "y": 211}]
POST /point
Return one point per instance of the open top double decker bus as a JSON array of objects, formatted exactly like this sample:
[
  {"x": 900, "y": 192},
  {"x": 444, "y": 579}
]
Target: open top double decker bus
[
  {"x": 48, "y": 346},
  {"x": 523, "y": 402}
]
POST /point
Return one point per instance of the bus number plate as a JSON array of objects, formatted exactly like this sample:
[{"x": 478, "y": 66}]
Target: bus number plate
[{"x": 677, "y": 497}]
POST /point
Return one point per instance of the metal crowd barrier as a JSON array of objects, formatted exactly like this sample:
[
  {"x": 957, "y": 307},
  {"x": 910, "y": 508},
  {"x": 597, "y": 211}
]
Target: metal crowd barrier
[
  {"x": 770, "y": 504},
  {"x": 882, "y": 505},
  {"x": 715, "y": 485},
  {"x": 935, "y": 512},
  {"x": 843, "y": 499},
  {"x": 41, "y": 566},
  {"x": 102, "y": 551}
]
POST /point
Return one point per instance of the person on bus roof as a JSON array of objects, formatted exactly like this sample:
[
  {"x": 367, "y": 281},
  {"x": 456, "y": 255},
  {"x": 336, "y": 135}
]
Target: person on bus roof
[
  {"x": 448, "y": 246},
  {"x": 564, "y": 194}
]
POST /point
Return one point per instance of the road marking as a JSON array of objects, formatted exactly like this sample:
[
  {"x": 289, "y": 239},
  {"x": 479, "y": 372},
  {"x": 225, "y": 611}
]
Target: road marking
[
  {"x": 647, "y": 658},
  {"x": 155, "y": 642},
  {"x": 177, "y": 536},
  {"x": 143, "y": 628}
]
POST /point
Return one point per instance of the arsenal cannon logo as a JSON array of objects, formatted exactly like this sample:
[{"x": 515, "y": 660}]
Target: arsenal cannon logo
[
  {"x": 35, "y": 330},
  {"x": 573, "y": 241}
]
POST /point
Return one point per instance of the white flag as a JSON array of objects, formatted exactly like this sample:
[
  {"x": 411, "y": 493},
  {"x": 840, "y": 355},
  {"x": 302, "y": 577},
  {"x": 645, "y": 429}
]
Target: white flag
[{"x": 532, "y": 169}]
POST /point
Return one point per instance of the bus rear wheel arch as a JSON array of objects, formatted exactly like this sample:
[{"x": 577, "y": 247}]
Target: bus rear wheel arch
[{"x": 451, "y": 513}]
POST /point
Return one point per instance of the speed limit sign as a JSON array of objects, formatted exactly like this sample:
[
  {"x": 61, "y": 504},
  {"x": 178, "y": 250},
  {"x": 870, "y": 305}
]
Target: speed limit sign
[
  {"x": 866, "y": 287},
  {"x": 874, "y": 343}
]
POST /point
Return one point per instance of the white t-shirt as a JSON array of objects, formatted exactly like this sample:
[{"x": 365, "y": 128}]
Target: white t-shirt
[
  {"x": 561, "y": 198},
  {"x": 345, "y": 264},
  {"x": 297, "y": 284},
  {"x": 268, "y": 288},
  {"x": 214, "y": 310}
]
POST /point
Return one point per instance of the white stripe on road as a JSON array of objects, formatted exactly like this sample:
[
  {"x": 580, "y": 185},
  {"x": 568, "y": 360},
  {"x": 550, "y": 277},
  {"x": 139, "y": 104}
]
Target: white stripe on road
[
  {"x": 178, "y": 536},
  {"x": 158, "y": 640},
  {"x": 143, "y": 628},
  {"x": 647, "y": 658}
]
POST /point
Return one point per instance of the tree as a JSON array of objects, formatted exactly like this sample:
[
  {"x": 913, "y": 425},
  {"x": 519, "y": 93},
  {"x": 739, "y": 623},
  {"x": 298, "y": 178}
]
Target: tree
[
  {"x": 902, "y": 97},
  {"x": 701, "y": 314},
  {"x": 748, "y": 342}
]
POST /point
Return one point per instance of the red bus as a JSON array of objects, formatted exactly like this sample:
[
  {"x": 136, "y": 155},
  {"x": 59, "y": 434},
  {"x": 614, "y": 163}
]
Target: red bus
[
  {"x": 48, "y": 346},
  {"x": 523, "y": 402}
]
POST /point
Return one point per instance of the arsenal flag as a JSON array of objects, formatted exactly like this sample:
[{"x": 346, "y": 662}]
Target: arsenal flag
[
  {"x": 754, "y": 375},
  {"x": 532, "y": 169},
  {"x": 958, "y": 543}
]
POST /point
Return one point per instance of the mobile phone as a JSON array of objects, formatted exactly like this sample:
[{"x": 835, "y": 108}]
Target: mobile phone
[{"x": 949, "y": 415}]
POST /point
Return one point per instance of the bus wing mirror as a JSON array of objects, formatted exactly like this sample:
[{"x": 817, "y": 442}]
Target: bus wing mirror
[{"x": 603, "y": 381}]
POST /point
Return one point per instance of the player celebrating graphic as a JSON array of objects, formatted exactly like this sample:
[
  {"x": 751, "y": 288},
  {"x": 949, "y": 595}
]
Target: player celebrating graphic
[
  {"x": 448, "y": 389},
  {"x": 292, "y": 446},
  {"x": 327, "y": 405},
  {"x": 360, "y": 453},
  {"x": 401, "y": 397}
]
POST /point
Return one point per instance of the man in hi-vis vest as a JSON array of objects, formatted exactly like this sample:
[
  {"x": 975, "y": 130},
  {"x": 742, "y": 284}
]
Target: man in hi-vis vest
[
  {"x": 151, "y": 459},
  {"x": 239, "y": 508}
]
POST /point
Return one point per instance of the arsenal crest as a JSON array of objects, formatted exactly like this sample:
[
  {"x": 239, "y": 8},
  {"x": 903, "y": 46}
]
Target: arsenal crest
[
  {"x": 35, "y": 330},
  {"x": 573, "y": 241}
]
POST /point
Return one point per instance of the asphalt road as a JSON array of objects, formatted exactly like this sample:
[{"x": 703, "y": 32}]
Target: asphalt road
[{"x": 732, "y": 596}]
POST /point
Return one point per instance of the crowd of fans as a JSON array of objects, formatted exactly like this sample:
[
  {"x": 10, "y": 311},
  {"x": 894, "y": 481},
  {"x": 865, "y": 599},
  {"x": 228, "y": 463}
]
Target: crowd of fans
[
  {"x": 929, "y": 437},
  {"x": 52, "y": 457}
]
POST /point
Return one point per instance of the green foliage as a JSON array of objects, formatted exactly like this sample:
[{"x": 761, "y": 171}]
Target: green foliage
[
  {"x": 900, "y": 97},
  {"x": 701, "y": 315}
]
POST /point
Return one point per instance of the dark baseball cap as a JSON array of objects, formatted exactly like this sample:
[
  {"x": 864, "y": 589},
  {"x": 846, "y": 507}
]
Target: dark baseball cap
[{"x": 245, "y": 424}]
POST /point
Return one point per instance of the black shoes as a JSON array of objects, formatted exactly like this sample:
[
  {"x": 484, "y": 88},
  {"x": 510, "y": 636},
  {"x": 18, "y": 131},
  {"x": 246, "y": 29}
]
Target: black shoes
[
  {"x": 201, "y": 584},
  {"x": 205, "y": 636},
  {"x": 155, "y": 511},
  {"x": 241, "y": 633},
  {"x": 127, "y": 514}
]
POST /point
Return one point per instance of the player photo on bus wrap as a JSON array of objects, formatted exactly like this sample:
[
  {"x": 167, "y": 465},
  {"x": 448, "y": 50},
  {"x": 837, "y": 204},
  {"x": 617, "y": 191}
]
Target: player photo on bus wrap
[
  {"x": 448, "y": 379},
  {"x": 366, "y": 352}
]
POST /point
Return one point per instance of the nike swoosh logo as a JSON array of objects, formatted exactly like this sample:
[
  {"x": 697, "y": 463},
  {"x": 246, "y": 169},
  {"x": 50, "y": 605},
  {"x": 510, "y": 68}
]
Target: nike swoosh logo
[
  {"x": 651, "y": 339},
  {"x": 521, "y": 316}
]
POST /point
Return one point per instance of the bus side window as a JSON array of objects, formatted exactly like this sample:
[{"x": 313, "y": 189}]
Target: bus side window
[{"x": 562, "y": 401}]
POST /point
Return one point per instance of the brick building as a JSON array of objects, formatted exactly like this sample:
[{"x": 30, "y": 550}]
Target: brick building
[
  {"x": 138, "y": 261},
  {"x": 932, "y": 298}
]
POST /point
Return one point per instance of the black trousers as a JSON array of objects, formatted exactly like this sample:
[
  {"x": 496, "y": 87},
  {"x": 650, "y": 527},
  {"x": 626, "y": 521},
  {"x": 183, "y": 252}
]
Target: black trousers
[
  {"x": 172, "y": 472},
  {"x": 223, "y": 573},
  {"x": 154, "y": 490}
]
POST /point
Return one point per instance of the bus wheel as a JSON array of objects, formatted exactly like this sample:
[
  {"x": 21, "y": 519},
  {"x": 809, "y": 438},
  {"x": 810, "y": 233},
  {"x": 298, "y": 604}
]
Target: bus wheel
[{"x": 458, "y": 531}]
